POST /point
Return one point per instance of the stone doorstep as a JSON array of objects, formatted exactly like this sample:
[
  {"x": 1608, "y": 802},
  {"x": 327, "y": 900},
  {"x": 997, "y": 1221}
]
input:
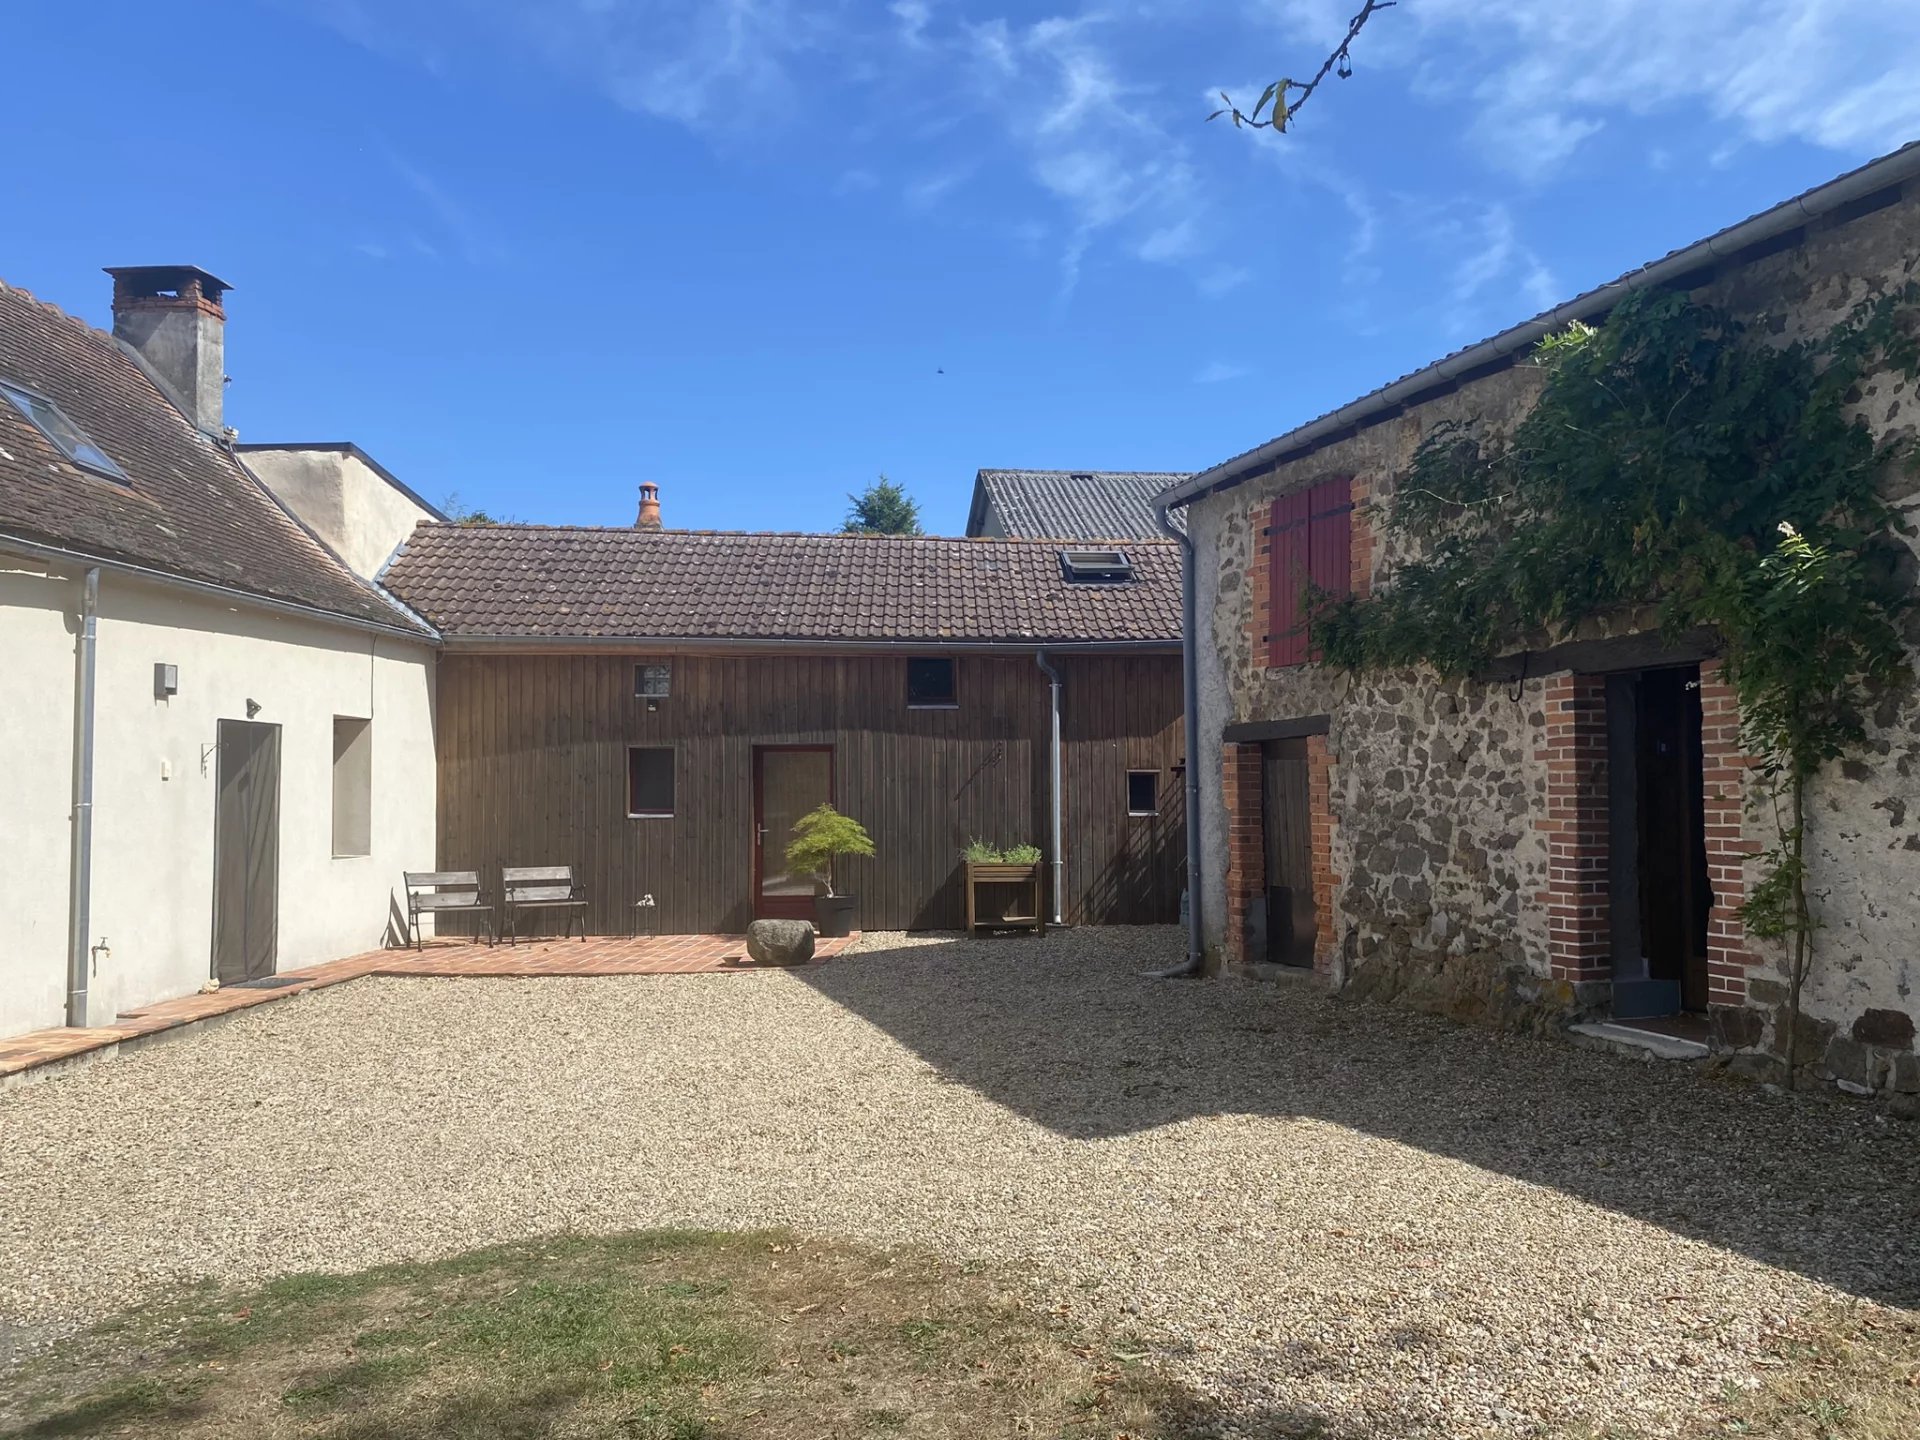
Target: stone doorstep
[{"x": 1626, "y": 1040}]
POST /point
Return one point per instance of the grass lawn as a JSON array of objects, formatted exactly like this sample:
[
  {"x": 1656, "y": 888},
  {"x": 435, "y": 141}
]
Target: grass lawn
[
  {"x": 1840, "y": 1373},
  {"x": 657, "y": 1335}
]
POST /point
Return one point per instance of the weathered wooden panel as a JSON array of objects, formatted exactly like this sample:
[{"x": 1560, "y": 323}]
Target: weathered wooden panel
[{"x": 533, "y": 771}]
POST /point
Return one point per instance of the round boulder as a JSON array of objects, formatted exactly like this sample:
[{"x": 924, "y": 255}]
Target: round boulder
[{"x": 780, "y": 942}]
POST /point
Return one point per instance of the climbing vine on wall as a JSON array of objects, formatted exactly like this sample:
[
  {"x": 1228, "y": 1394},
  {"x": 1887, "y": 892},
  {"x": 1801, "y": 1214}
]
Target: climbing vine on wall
[{"x": 1675, "y": 461}]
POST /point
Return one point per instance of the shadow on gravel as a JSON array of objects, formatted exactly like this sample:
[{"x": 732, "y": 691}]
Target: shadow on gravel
[{"x": 1067, "y": 1032}]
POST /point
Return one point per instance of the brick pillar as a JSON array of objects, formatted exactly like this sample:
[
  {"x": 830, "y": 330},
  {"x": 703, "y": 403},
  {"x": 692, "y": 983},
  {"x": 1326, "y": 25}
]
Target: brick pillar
[
  {"x": 1259, "y": 582},
  {"x": 1363, "y": 540},
  {"x": 1320, "y": 763},
  {"x": 1575, "y": 826},
  {"x": 1240, "y": 783},
  {"x": 1723, "y": 777}
]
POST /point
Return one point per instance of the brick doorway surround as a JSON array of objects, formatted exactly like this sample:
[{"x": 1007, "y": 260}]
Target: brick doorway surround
[
  {"x": 1575, "y": 825},
  {"x": 1243, "y": 785}
]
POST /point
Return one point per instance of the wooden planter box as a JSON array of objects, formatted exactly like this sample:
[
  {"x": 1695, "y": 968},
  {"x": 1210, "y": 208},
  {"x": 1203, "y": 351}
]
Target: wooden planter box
[{"x": 1027, "y": 911}]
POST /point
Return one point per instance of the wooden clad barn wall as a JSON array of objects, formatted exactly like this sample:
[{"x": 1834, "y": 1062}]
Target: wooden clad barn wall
[
  {"x": 1123, "y": 714},
  {"x": 533, "y": 771}
]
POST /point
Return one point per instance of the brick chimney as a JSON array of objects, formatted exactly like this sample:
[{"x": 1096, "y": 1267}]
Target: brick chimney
[
  {"x": 172, "y": 316},
  {"x": 649, "y": 518}
]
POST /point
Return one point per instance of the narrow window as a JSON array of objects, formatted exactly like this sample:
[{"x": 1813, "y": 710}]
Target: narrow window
[
  {"x": 65, "y": 436},
  {"x": 1143, "y": 792},
  {"x": 352, "y": 786},
  {"x": 652, "y": 682},
  {"x": 650, "y": 780},
  {"x": 930, "y": 685}
]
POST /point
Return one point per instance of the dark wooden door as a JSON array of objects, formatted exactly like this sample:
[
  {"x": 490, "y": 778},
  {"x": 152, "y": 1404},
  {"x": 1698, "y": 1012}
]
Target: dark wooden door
[
  {"x": 246, "y": 852},
  {"x": 1286, "y": 823},
  {"x": 1674, "y": 891},
  {"x": 788, "y": 781}
]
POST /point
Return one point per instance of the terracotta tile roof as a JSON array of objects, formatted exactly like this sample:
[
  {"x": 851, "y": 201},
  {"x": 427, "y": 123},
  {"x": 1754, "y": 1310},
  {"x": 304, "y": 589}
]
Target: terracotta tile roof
[
  {"x": 551, "y": 583},
  {"x": 1072, "y": 504},
  {"x": 188, "y": 509}
]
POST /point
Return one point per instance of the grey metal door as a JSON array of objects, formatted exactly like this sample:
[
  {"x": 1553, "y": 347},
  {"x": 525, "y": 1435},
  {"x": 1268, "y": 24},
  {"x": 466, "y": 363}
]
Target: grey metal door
[
  {"x": 1291, "y": 922},
  {"x": 246, "y": 852}
]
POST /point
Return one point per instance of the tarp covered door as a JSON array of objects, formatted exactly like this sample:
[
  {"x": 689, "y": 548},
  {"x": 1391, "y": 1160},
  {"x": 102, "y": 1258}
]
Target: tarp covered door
[{"x": 246, "y": 858}]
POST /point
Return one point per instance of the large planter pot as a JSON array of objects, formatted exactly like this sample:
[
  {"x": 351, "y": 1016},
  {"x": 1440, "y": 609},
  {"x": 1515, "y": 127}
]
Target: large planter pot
[
  {"x": 834, "y": 916},
  {"x": 1022, "y": 910}
]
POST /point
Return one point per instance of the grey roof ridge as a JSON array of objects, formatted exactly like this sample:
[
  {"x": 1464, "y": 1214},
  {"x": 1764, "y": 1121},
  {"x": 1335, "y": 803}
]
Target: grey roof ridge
[{"x": 1888, "y": 170}]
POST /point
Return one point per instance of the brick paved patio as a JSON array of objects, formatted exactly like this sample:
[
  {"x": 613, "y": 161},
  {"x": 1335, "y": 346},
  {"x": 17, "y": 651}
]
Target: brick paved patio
[{"x": 597, "y": 955}]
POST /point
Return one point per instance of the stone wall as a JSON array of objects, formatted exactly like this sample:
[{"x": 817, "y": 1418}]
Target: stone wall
[{"x": 1461, "y": 817}]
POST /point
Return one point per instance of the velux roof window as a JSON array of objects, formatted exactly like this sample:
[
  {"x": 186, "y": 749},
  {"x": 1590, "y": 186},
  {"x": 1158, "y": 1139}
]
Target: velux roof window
[
  {"x": 68, "y": 438},
  {"x": 1096, "y": 567}
]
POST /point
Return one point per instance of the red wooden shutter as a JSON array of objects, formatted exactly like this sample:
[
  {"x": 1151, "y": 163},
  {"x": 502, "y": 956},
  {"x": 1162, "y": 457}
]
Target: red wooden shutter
[
  {"x": 1330, "y": 531},
  {"x": 1287, "y": 573},
  {"x": 1330, "y": 537}
]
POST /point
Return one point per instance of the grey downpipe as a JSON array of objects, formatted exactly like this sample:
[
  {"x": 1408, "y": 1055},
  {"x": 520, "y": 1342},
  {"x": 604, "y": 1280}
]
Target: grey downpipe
[
  {"x": 1053, "y": 785},
  {"x": 80, "y": 873},
  {"x": 1195, "y": 962}
]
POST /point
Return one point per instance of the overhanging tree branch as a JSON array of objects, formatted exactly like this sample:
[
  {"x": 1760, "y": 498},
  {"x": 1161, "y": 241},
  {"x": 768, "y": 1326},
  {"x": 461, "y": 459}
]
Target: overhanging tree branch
[{"x": 1282, "y": 110}]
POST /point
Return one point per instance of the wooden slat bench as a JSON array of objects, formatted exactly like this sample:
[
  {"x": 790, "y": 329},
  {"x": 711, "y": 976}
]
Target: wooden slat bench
[
  {"x": 542, "y": 887},
  {"x": 446, "y": 892}
]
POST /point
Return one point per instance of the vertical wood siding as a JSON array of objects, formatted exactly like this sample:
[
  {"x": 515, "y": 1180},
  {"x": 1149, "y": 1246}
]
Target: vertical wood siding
[{"x": 533, "y": 771}]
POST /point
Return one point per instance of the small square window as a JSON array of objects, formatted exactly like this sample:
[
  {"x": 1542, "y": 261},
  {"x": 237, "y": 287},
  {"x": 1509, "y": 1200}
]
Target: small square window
[
  {"x": 930, "y": 684},
  {"x": 68, "y": 438},
  {"x": 650, "y": 780},
  {"x": 652, "y": 682},
  {"x": 1143, "y": 792}
]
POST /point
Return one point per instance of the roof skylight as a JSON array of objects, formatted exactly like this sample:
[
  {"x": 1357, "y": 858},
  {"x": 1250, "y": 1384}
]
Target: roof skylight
[
  {"x": 1096, "y": 567},
  {"x": 68, "y": 438}
]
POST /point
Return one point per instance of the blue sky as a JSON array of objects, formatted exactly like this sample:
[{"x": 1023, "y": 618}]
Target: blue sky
[{"x": 538, "y": 251}]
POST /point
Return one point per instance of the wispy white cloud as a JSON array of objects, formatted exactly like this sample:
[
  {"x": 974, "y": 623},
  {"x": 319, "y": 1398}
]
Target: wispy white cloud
[
  {"x": 1533, "y": 82},
  {"x": 1495, "y": 277},
  {"x": 699, "y": 64},
  {"x": 472, "y": 238},
  {"x": 1215, "y": 372},
  {"x": 927, "y": 191},
  {"x": 1090, "y": 138},
  {"x": 913, "y": 17},
  {"x": 1221, "y": 279}
]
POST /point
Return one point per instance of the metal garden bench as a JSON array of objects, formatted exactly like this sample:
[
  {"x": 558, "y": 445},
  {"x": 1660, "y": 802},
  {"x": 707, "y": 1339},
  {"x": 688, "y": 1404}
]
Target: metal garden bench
[
  {"x": 542, "y": 887},
  {"x": 446, "y": 892}
]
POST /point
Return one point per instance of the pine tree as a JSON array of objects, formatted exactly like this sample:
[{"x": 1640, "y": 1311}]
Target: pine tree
[{"x": 883, "y": 509}]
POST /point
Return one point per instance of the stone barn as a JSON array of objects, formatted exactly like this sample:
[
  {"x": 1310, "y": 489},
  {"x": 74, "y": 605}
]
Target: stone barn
[{"x": 1568, "y": 838}]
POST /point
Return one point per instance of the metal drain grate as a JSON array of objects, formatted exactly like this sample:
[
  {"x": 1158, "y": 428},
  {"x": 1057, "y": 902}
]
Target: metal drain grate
[{"x": 265, "y": 982}]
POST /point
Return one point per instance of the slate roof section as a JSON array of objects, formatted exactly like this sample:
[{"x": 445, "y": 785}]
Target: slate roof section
[
  {"x": 189, "y": 509},
  {"x": 1071, "y": 504},
  {"x": 548, "y": 583}
]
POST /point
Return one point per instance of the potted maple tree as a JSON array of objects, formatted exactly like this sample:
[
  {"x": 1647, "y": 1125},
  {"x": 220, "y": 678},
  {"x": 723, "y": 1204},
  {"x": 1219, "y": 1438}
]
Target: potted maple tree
[{"x": 822, "y": 836}]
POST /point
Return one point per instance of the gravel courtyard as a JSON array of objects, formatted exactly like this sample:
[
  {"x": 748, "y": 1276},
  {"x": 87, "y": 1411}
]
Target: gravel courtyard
[{"x": 1316, "y": 1208}]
